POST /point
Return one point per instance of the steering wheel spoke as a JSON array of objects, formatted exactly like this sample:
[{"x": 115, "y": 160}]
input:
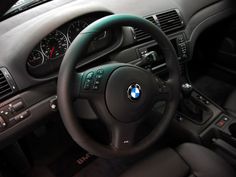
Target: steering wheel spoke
[
  {"x": 123, "y": 135},
  {"x": 77, "y": 81},
  {"x": 163, "y": 90}
]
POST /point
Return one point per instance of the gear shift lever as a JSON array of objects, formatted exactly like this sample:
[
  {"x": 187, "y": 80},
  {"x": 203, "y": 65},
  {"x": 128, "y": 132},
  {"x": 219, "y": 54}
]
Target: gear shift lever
[
  {"x": 193, "y": 108},
  {"x": 188, "y": 106},
  {"x": 187, "y": 90}
]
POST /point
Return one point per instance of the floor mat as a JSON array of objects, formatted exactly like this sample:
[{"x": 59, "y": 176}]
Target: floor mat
[
  {"x": 107, "y": 167},
  {"x": 216, "y": 90},
  {"x": 71, "y": 162}
]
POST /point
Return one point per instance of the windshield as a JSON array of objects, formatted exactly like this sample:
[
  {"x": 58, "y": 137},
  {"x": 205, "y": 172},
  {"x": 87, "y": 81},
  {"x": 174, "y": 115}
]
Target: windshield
[{"x": 22, "y": 5}]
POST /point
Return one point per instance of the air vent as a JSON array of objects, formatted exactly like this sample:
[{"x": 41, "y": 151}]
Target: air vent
[
  {"x": 140, "y": 34},
  {"x": 7, "y": 86},
  {"x": 170, "y": 21},
  {"x": 151, "y": 19}
]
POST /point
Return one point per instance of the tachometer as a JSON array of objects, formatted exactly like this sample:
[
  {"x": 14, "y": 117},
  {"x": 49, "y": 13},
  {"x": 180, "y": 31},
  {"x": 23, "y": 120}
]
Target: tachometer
[
  {"x": 75, "y": 28},
  {"x": 35, "y": 59},
  {"x": 54, "y": 45}
]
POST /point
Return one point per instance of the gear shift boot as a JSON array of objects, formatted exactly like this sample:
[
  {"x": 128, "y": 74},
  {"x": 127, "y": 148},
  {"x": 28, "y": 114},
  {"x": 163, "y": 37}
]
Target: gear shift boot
[{"x": 192, "y": 108}]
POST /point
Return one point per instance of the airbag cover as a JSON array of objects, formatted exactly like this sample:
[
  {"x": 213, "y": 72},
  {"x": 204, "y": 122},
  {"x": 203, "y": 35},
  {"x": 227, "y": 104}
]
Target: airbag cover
[{"x": 129, "y": 93}]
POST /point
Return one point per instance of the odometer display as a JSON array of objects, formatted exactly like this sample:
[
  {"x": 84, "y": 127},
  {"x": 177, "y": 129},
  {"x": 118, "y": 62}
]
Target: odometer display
[{"x": 54, "y": 45}]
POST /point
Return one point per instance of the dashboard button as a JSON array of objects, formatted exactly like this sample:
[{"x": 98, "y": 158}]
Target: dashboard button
[
  {"x": 23, "y": 115},
  {"x": 18, "y": 106},
  {"x": 222, "y": 122},
  {"x": 2, "y": 122}
]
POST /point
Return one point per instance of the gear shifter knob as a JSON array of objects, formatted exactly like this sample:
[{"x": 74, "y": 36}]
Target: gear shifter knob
[{"x": 187, "y": 89}]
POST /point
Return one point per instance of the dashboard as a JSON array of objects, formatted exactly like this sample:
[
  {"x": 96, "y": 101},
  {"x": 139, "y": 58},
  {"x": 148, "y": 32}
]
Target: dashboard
[{"x": 34, "y": 42}]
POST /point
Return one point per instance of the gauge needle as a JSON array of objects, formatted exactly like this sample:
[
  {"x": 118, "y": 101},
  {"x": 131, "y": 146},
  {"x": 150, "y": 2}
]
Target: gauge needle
[{"x": 51, "y": 52}]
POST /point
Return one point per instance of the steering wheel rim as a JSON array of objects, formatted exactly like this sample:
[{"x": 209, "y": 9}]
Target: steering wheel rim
[{"x": 66, "y": 90}]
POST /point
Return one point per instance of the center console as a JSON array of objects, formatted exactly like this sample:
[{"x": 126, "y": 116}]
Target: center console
[
  {"x": 221, "y": 137},
  {"x": 202, "y": 121}
]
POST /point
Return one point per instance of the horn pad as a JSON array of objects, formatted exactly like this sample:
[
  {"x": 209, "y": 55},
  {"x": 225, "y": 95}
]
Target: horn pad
[{"x": 129, "y": 93}]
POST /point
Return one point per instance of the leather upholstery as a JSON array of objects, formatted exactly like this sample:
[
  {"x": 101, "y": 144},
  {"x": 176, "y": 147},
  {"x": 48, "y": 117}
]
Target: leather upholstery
[
  {"x": 203, "y": 162},
  {"x": 188, "y": 160},
  {"x": 230, "y": 104}
]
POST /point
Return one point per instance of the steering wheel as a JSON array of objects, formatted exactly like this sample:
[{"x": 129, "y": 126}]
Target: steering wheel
[{"x": 120, "y": 94}]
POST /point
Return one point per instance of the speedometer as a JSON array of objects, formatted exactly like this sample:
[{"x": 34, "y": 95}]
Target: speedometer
[
  {"x": 75, "y": 28},
  {"x": 54, "y": 45}
]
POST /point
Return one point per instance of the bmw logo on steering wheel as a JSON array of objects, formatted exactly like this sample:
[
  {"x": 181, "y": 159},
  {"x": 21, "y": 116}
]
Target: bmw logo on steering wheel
[{"x": 134, "y": 92}]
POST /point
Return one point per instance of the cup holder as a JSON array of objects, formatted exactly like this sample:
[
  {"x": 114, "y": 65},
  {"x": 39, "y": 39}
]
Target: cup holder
[{"x": 232, "y": 130}]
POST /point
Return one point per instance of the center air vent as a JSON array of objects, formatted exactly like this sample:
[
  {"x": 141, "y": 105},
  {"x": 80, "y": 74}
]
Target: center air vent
[
  {"x": 140, "y": 34},
  {"x": 169, "y": 22},
  {"x": 7, "y": 85}
]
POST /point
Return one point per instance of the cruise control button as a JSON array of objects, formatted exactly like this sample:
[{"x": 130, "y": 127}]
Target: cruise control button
[
  {"x": 97, "y": 82},
  {"x": 100, "y": 71},
  {"x": 98, "y": 76},
  {"x": 95, "y": 87},
  {"x": 86, "y": 86},
  {"x": 90, "y": 75}
]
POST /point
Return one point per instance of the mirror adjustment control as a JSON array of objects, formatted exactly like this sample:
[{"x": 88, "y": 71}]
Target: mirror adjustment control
[
  {"x": 2, "y": 122},
  {"x": 16, "y": 107},
  {"x": 12, "y": 113}
]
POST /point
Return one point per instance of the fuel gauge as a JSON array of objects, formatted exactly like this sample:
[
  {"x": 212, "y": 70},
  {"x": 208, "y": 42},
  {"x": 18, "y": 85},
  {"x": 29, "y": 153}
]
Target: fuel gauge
[{"x": 35, "y": 59}]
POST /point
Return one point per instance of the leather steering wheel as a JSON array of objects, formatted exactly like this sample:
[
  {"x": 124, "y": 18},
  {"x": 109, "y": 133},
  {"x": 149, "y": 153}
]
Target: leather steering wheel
[{"x": 120, "y": 94}]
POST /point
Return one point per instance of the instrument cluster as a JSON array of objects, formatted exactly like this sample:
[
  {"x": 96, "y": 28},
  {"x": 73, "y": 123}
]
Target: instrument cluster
[{"x": 46, "y": 57}]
